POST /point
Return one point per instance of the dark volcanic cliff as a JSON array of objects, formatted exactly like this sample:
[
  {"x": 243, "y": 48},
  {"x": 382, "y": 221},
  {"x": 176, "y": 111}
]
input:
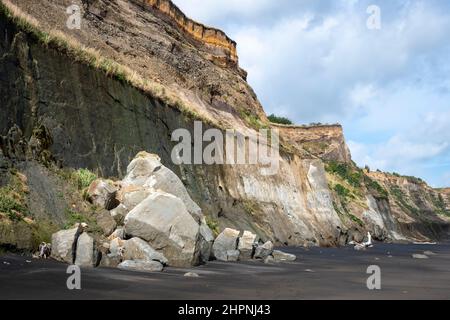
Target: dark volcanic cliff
[{"x": 62, "y": 109}]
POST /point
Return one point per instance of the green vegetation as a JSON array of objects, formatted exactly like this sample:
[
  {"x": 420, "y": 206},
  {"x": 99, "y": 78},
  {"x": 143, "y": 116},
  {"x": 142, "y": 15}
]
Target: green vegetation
[
  {"x": 439, "y": 203},
  {"x": 13, "y": 198},
  {"x": 74, "y": 217},
  {"x": 401, "y": 197},
  {"x": 356, "y": 219},
  {"x": 83, "y": 178},
  {"x": 347, "y": 214},
  {"x": 281, "y": 120},
  {"x": 252, "y": 120},
  {"x": 342, "y": 191},
  {"x": 213, "y": 225},
  {"x": 353, "y": 176},
  {"x": 42, "y": 232},
  {"x": 373, "y": 185},
  {"x": 250, "y": 206},
  {"x": 411, "y": 179},
  {"x": 11, "y": 206}
]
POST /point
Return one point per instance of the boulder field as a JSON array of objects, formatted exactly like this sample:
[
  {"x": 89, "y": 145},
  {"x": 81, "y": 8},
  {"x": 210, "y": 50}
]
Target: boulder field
[{"x": 148, "y": 221}]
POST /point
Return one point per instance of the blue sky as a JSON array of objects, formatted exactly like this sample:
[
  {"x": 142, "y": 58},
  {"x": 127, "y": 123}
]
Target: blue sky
[{"x": 316, "y": 61}]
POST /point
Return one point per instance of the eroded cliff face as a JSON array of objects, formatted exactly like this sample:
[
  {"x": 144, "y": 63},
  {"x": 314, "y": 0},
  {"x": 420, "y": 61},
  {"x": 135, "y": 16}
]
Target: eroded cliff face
[
  {"x": 326, "y": 142},
  {"x": 99, "y": 123},
  {"x": 391, "y": 207},
  {"x": 213, "y": 37},
  {"x": 157, "y": 42},
  {"x": 66, "y": 113}
]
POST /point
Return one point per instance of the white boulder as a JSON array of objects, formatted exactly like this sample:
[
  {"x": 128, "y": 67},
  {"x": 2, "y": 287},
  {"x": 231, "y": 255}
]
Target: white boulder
[
  {"x": 87, "y": 255},
  {"x": 138, "y": 249},
  {"x": 64, "y": 244},
  {"x": 141, "y": 265},
  {"x": 225, "y": 241},
  {"x": 163, "y": 220},
  {"x": 247, "y": 244}
]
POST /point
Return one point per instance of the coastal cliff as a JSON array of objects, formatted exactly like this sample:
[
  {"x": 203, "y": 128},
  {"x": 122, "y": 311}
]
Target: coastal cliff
[{"x": 93, "y": 98}]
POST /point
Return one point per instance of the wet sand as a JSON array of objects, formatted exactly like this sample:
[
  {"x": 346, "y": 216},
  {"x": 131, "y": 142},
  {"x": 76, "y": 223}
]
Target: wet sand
[{"x": 318, "y": 273}]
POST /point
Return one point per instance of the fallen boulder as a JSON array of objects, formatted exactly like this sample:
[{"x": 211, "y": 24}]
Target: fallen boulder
[
  {"x": 131, "y": 195},
  {"x": 233, "y": 255},
  {"x": 263, "y": 251},
  {"x": 64, "y": 244},
  {"x": 225, "y": 241},
  {"x": 269, "y": 260},
  {"x": 106, "y": 222},
  {"x": 141, "y": 265},
  {"x": 246, "y": 245},
  {"x": 281, "y": 256},
  {"x": 141, "y": 168},
  {"x": 191, "y": 275},
  {"x": 163, "y": 220},
  {"x": 119, "y": 214},
  {"x": 109, "y": 261},
  {"x": 118, "y": 233},
  {"x": 206, "y": 242},
  {"x": 86, "y": 255},
  {"x": 138, "y": 249},
  {"x": 147, "y": 171},
  {"x": 102, "y": 193}
]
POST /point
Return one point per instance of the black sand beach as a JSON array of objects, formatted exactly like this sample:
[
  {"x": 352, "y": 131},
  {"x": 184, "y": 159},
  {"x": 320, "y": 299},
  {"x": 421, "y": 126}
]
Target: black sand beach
[{"x": 318, "y": 273}]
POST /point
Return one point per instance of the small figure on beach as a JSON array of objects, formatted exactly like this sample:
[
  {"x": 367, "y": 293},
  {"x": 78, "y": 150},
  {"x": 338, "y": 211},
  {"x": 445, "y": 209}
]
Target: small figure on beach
[
  {"x": 45, "y": 249},
  {"x": 363, "y": 245}
]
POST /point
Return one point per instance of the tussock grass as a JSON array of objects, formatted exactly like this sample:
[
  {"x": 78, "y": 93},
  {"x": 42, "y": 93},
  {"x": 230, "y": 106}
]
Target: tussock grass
[{"x": 93, "y": 58}]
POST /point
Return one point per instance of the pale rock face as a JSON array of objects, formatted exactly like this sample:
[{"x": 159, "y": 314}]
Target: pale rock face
[
  {"x": 146, "y": 171},
  {"x": 320, "y": 202},
  {"x": 163, "y": 220},
  {"x": 247, "y": 244},
  {"x": 64, "y": 244},
  {"x": 87, "y": 255},
  {"x": 102, "y": 193},
  {"x": 380, "y": 222},
  {"x": 138, "y": 249},
  {"x": 301, "y": 208},
  {"x": 141, "y": 266},
  {"x": 263, "y": 251},
  {"x": 226, "y": 241}
]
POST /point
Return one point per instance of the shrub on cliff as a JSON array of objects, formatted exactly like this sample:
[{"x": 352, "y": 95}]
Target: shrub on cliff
[
  {"x": 281, "y": 120},
  {"x": 346, "y": 172}
]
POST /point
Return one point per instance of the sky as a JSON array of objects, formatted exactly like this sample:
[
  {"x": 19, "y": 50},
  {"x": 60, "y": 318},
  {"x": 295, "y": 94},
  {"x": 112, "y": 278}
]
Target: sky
[{"x": 330, "y": 61}]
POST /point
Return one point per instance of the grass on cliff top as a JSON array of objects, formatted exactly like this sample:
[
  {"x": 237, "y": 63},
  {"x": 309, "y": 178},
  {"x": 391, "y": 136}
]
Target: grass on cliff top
[{"x": 93, "y": 58}]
